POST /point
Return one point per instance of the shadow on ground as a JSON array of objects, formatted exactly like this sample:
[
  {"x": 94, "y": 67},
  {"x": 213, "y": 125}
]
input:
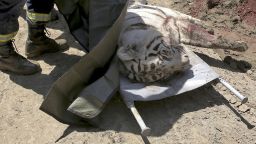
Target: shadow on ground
[
  {"x": 160, "y": 115},
  {"x": 229, "y": 63},
  {"x": 41, "y": 83}
]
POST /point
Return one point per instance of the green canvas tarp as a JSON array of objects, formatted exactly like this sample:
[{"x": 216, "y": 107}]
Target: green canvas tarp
[{"x": 81, "y": 93}]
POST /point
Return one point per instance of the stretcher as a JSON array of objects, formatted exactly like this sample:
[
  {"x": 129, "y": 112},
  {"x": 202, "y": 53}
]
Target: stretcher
[{"x": 199, "y": 74}]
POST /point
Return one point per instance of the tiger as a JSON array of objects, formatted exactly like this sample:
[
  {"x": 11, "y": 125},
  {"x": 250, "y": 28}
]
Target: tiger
[{"x": 153, "y": 39}]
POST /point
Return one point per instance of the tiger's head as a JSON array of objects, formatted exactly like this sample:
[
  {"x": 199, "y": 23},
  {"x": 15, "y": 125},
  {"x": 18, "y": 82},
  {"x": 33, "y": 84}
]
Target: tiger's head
[{"x": 148, "y": 55}]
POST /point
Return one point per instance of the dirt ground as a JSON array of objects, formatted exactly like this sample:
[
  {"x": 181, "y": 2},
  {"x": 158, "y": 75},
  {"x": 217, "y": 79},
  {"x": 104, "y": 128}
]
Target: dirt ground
[{"x": 209, "y": 114}]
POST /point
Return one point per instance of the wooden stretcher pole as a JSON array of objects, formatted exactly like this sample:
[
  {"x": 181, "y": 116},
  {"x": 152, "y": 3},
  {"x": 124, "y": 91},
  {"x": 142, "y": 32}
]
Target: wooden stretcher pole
[
  {"x": 144, "y": 129},
  {"x": 233, "y": 90}
]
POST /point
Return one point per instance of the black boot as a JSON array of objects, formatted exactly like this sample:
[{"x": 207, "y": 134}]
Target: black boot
[
  {"x": 38, "y": 43},
  {"x": 11, "y": 61}
]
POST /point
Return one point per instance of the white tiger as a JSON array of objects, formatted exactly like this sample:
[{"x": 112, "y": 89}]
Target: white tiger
[{"x": 151, "y": 43}]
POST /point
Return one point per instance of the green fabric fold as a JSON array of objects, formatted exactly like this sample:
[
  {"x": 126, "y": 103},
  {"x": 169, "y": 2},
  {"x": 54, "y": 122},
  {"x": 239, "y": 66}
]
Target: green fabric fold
[{"x": 82, "y": 92}]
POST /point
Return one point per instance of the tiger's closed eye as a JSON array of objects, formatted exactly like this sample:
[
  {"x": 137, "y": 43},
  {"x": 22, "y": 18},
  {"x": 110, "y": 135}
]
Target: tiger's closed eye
[
  {"x": 133, "y": 47},
  {"x": 164, "y": 43}
]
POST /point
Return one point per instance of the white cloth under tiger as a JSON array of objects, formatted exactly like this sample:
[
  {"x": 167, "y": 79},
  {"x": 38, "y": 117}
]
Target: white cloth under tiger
[{"x": 198, "y": 75}]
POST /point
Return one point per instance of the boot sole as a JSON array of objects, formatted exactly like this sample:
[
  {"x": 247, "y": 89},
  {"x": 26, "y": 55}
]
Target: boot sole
[
  {"x": 4, "y": 69},
  {"x": 39, "y": 53}
]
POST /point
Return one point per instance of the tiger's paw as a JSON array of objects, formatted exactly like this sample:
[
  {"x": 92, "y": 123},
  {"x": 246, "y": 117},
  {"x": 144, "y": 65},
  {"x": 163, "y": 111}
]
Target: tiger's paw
[{"x": 240, "y": 46}]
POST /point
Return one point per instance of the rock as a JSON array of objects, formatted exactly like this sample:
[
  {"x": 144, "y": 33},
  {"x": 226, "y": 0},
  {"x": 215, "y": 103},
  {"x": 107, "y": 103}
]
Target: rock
[
  {"x": 118, "y": 139},
  {"x": 243, "y": 108},
  {"x": 218, "y": 129},
  {"x": 237, "y": 104},
  {"x": 236, "y": 19},
  {"x": 227, "y": 52},
  {"x": 249, "y": 72},
  {"x": 211, "y": 31},
  {"x": 252, "y": 111},
  {"x": 230, "y": 3},
  {"x": 254, "y": 120},
  {"x": 190, "y": 1},
  {"x": 176, "y": 1},
  {"x": 232, "y": 100},
  {"x": 241, "y": 1},
  {"x": 223, "y": 88},
  {"x": 238, "y": 118},
  {"x": 228, "y": 96},
  {"x": 219, "y": 85},
  {"x": 212, "y": 3}
]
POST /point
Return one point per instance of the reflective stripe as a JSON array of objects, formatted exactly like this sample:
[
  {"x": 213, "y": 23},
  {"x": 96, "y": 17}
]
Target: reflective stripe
[
  {"x": 7, "y": 37},
  {"x": 39, "y": 17}
]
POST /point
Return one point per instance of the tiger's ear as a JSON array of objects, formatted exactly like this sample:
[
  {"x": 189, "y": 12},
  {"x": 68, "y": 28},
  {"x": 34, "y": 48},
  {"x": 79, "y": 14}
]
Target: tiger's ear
[{"x": 124, "y": 54}]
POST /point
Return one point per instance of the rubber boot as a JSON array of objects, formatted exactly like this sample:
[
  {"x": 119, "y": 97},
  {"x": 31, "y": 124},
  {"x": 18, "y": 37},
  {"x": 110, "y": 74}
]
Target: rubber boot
[
  {"x": 38, "y": 43},
  {"x": 11, "y": 61}
]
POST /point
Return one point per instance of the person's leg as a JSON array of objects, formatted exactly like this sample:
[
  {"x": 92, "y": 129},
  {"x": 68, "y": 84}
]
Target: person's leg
[
  {"x": 9, "y": 13},
  {"x": 38, "y": 14},
  {"x": 10, "y": 60},
  {"x": 39, "y": 11}
]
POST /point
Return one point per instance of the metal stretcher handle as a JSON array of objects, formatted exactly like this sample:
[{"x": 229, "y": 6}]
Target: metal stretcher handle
[
  {"x": 144, "y": 129},
  {"x": 233, "y": 90}
]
